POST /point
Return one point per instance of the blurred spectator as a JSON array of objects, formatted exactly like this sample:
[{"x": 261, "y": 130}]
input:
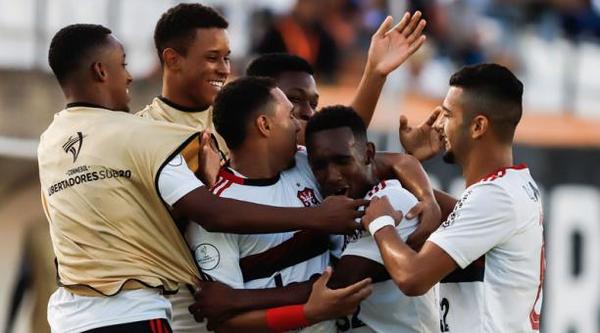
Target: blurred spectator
[
  {"x": 301, "y": 33},
  {"x": 36, "y": 274}
]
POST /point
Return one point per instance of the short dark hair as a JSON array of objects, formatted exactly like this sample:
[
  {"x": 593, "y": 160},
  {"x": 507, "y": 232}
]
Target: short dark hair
[
  {"x": 494, "y": 91},
  {"x": 331, "y": 117},
  {"x": 71, "y": 45},
  {"x": 273, "y": 64},
  {"x": 235, "y": 105},
  {"x": 176, "y": 28}
]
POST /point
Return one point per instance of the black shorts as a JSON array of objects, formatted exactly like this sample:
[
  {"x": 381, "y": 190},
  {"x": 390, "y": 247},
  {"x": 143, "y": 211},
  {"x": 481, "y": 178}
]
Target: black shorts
[{"x": 146, "y": 326}]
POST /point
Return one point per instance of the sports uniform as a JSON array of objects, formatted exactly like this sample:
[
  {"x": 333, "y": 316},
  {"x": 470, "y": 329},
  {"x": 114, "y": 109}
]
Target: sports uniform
[
  {"x": 115, "y": 242},
  {"x": 500, "y": 219},
  {"x": 264, "y": 260},
  {"x": 387, "y": 309},
  {"x": 164, "y": 110}
]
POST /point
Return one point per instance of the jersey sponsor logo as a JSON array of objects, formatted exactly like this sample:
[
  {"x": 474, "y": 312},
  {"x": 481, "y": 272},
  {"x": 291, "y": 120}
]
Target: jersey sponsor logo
[
  {"x": 73, "y": 145},
  {"x": 87, "y": 174},
  {"x": 455, "y": 212},
  {"x": 207, "y": 256},
  {"x": 307, "y": 197}
]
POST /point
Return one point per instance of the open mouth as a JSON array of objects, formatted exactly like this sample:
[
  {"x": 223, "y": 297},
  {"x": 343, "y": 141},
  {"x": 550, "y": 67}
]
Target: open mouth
[
  {"x": 341, "y": 191},
  {"x": 217, "y": 84}
]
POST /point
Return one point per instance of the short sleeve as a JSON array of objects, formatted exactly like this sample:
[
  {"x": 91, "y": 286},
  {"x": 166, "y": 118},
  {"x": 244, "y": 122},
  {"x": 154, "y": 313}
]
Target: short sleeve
[
  {"x": 217, "y": 255},
  {"x": 176, "y": 180},
  {"x": 366, "y": 246},
  {"x": 483, "y": 218}
]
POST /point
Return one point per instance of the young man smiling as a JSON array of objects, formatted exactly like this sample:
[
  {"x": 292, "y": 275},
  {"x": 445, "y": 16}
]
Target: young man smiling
[
  {"x": 498, "y": 217},
  {"x": 110, "y": 182}
]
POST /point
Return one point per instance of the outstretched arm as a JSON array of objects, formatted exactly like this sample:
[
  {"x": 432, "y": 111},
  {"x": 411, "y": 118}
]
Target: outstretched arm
[
  {"x": 215, "y": 214},
  {"x": 390, "y": 47}
]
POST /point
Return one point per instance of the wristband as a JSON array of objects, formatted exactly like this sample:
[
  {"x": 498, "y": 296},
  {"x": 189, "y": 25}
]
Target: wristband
[
  {"x": 380, "y": 222},
  {"x": 286, "y": 318}
]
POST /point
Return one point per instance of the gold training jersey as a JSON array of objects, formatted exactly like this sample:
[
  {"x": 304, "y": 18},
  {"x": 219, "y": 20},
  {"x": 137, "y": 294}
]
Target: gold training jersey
[
  {"x": 163, "y": 110},
  {"x": 110, "y": 229}
]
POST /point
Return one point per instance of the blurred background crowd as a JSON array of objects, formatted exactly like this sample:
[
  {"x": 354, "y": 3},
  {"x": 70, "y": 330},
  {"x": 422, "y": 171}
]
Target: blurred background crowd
[{"x": 552, "y": 45}]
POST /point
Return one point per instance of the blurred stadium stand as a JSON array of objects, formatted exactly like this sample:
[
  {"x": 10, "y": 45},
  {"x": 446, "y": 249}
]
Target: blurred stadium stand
[{"x": 552, "y": 45}]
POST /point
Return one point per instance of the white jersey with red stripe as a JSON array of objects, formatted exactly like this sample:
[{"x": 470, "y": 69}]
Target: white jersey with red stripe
[
  {"x": 387, "y": 309},
  {"x": 494, "y": 234},
  {"x": 255, "y": 261}
]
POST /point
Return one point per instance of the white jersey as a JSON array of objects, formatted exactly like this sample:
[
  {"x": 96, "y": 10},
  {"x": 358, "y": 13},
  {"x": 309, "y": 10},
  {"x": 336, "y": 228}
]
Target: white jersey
[
  {"x": 264, "y": 260},
  {"x": 498, "y": 218},
  {"x": 387, "y": 309}
]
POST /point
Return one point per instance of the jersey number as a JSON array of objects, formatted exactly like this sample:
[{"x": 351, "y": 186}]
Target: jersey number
[{"x": 445, "y": 306}]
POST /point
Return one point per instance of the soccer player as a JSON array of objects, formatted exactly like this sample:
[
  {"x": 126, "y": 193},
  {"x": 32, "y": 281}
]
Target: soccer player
[
  {"x": 111, "y": 180},
  {"x": 192, "y": 43},
  {"x": 256, "y": 120},
  {"x": 343, "y": 163},
  {"x": 294, "y": 77},
  {"x": 498, "y": 217}
]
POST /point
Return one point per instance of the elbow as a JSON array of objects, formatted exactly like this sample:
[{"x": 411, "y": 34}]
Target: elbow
[{"x": 410, "y": 286}]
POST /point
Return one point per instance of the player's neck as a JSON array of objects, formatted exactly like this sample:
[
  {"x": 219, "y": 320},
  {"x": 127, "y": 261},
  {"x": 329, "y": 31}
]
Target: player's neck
[
  {"x": 177, "y": 96},
  {"x": 484, "y": 160},
  {"x": 253, "y": 162},
  {"x": 89, "y": 95}
]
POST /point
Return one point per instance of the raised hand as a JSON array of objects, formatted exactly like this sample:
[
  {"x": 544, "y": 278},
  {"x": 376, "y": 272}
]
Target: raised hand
[
  {"x": 424, "y": 141},
  {"x": 325, "y": 303},
  {"x": 391, "y": 46}
]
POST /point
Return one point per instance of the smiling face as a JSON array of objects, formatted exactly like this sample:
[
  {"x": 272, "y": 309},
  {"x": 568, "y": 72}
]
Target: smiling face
[
  {"x": 301, "y": 89},
  {"x": 205, "y": 66},
  {"x": 341, "y": 164},
  {"x": 454, "y": 126}
]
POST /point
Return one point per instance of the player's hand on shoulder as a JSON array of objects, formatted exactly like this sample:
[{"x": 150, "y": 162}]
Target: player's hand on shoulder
[
  {"x": 431, "y": 218},
  {"x": 423, "y": 141},
  {"x": 213, "y": 301},
  {"x": 324, "y": 303},
  {"x": 209, "y": 160},
  {"x": 380, "y": 206},
  {"x": 337, "y": 214}
]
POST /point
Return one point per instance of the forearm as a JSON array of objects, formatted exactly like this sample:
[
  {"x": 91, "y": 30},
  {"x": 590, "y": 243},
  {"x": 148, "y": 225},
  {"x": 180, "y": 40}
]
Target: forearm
[
  {"x": 253, "y": 321},
  {"x": 367, "y": 94},
  {"x": 217, "y": 214},
  {"x": 446, "y": 203},
  {"x": 254, "y": 299},
  {"x": 400, "y": 262}
]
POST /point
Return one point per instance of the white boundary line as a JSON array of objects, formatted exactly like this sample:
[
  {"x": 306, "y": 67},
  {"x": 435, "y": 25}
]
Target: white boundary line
[{"x": 18, "y": 147}]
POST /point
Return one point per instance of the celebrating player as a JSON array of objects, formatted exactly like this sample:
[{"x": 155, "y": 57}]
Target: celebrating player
[{"x": 498, "y": 217}]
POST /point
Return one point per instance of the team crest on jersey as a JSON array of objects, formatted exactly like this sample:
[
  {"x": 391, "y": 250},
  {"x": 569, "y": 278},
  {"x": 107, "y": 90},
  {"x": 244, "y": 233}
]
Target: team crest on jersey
[
  {"x": 207, "y": 256},
  {"x": 73, "y": 145},
  {"x": 308, "y": 197},
  {"x": 455, "y": 212}
]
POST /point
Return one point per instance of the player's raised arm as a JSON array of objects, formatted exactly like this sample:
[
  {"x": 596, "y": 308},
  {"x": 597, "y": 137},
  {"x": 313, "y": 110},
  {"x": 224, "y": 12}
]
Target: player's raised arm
[{"x": 390, "y": 47}]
